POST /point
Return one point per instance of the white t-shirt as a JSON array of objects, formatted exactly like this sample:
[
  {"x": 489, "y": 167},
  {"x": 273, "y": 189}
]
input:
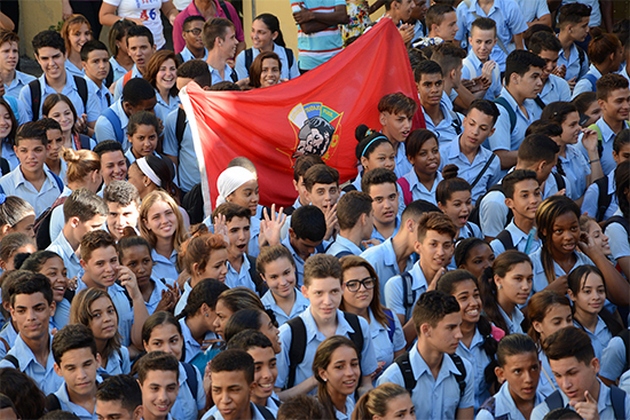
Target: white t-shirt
[{"x": 148, "y": 11}]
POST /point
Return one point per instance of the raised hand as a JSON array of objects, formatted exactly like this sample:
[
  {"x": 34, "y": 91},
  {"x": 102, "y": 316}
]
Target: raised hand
[
  {"x": 271, "y": 226},
  {"x": 220, "y": 227}
]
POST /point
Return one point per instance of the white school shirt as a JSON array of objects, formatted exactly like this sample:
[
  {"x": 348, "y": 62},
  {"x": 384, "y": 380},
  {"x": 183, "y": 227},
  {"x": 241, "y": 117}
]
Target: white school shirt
[{"x": 149, "y": 11}]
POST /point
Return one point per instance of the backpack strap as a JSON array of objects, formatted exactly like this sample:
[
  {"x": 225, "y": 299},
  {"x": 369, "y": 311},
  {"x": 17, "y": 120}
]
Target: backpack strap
[
  {"x": 126, "y": 77},
  {"x": 554, "y": 400},
  {"x": 592, "y": 80},
  {"x": 261, "y": 287},
  {"x": 539, "y": 102},
  {"x": 13, "y": 360},
  {"x": 618, "y": 219},
  {"x": 505, "y": 104},
  {"x": 603, "y": 198},
  {"x": 52, "y": 403},
  {"x": 109, "y": 79},
  {"x": 226, "y": 11},
  {"x": 114, "y": 120},
  {"x": 483, "y": 171},
  {"x": 618, "y": 400},
  {"x": 406, "y": 190},
  {"x": 180, "y": 58},
  {"x": 6, "y": 345},
  {"x": 461, "y": 377},
  {"x": 36, "y": 98},
  {"x": 191, "y": 379},
  {"x": 343, "y": 254},
  {"x": 264, "y": 411},
  {"x": 409, "y": 295},
  {"x": 357, "y": 335},
  {"x": 234, "y": 76},
  {"x": 457, "y": 122},
  {"x": 560, "y": 182},
  {"x": 297, "y": 347},
  {"x": 581, "y": 56},
  {"x": 290, "y": 56},
  {"x": 489, "y": 405},
  {"x": 4, "y": 166},
  {"x": 505, "y": 237},
  {"x": 85, "y": 142},
  {"x": 471, "y": 68},
  {"x": 407, "y": 371},
  {"x": 391, "y": 324},
  {"x": 82, "y": 88},
  {"x": 249, "y": 58},
  {"x": 58, "y": 181}
]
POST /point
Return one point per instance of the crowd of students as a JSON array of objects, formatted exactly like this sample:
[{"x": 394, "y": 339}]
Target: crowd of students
[{"x": 475, "y": 268}]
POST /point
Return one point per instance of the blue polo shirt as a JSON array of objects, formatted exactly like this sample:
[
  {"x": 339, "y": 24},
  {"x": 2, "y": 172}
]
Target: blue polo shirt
[
  {"x": 71, "y": 260},
  {"x": 187, "y": 55},
  {"x": 402, "y": 163},
  {"x": 343, "y": 245},
  {"x": 20, "y": 80},
  {"x": 299, "y": 306},
  {"x": 162, "y": 108},
  {"x": 599, "y": 338},
  {"x": 14, "y": 183},
  {"x": 555, "y": 89},
  {"x": 191, "y": 346},
  {"x": 571, "y": 61},
  {"x": 540, "y": 280},
  {"x": 67, "y": 405},
  {"x": 118, "y": 87},
  {"x": 504, "y": 406},
  {"x": 445, "y": 130},
  {"x": 394, "y": 291},
  {"x": 188, "y": 402},
  {"x": 188, "y": 167},
  {"x": 384, "y": 347},
  {"x": 614, "y": 358},
  {"x": 383, "y": 259},
  {"x": 585, "y": 85},
  {"x": 299, "y": 262},
  {"x": 526, "y": 242},
  {"x": 479, "y": 360},
  {"x": 443, "y": 391},
  {"x": 117, "y": 363},
  {"x": 165, "y": 268},
  {"x": 119, "y": 71},
  {"x": 216, "y": 76},
  {"x": 589, "y": 204},
  {"x": 104, "y": 130},
  {"x": 287, "y": 72},
  {"x": 503, "y": 138},
  {"x": 240, "y": 278},
  {"x": 513, "y": 320},
  {"x": 156, "y": 295}
]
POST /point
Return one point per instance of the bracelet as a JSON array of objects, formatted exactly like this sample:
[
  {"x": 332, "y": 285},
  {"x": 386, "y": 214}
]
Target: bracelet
[{"x": 593, "y": 161}]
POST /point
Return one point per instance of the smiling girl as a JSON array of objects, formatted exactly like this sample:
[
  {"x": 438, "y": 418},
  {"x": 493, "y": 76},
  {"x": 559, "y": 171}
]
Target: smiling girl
[
  {"x": 161, "y": 73},
  {"x": 76, "y": 31},
  {"x": 8, "y": 129},
  {"x": 424, "y": 155},
  {"x": 59, "y": 107},
  {"x": 143, "y": 132},
  {"x": 265, "y": 70},
  {"x": 474, "y": 255}
]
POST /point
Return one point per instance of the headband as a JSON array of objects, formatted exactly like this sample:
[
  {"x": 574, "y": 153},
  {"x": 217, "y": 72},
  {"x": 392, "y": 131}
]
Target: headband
[
  {"x": 367, "y": 146},
  {"x": 148, "y": 172},
  {"x": 230, "y": 180}
]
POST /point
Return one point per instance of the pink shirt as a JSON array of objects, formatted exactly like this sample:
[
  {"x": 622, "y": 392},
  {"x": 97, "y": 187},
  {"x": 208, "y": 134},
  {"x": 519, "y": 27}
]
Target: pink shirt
[{"x": 191, "y": 10}]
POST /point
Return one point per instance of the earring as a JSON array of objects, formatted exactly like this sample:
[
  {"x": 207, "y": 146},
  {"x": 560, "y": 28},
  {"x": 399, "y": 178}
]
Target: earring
[
  {"x": 499, "y": 287},
  {"x": 206, "y": 315}
]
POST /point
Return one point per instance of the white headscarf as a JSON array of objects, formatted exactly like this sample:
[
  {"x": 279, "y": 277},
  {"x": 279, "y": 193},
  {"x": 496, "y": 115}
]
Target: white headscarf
[{"x": 230, "y": 180}]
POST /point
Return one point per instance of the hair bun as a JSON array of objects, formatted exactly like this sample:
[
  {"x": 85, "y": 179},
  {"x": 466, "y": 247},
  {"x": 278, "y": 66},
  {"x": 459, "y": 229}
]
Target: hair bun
[
  {"x": 361, "y": 132},
  {"x": 450, "y": 171}
]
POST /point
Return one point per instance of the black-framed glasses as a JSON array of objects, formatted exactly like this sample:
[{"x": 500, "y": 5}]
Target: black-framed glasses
[
  {"x": 195, "y": 31},
  {"x": 355, "y": 285}
]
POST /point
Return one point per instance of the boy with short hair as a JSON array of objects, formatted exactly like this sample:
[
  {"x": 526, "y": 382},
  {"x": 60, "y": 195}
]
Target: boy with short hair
[
  {"x": 232, "y": 385},
  {"x": 76, "y": 361},
  {"x": 573, "y": 19},
  {"x": 13, "y": 79},
  {"x": 356, "y": 221},
  {"x": 32, "y": 306},
  {"x": 482, "y": 39},
  {"x": 122, "y": 200},
  {"x": 399, "y": 11},
  {"x": 141, "y": 48},
  {"x": 441, "y": 21},
  {"x": 137, "y": 95},
  {"x": 381, "y": 185},
  {"x": 517, "y": 108},
  {"x": 573, "y": 363},
  {"x": 307, "y": 231},
  {"x": 546, "y": 46},
  {"x": 83, "y": 211},
  {"x": 613, "y": 96},
  {"x": 322, "y": 319},
  {"x": 435, "y": 244},
  {"x": 102, "y": 270},
  {"x": 449, "y": 56},
  {"x": 191, "y": 32},
  {"x": 519, "y": 371},
  {"x": 302, "y": 164},
  {"x": 321, "y": 183},
  {"x": 219, "y": 37},
  {"x": 522, "y": 197},
  {"x": 119, "y": 398},
  {"x": 396, "y": 112},
  {"x": 432, "y": 367},
  {"x": 439, "y": 118},
  {"x": 95, "y": 60},
  {"x": 257, "y": 345},
  {"x": 477, "y": 165},
  {"x": 50, "y": 52},
  {"x": 158, "y": 376},
  {"x": 113, "y": 162},
  {"x": 31, "y": 179}
]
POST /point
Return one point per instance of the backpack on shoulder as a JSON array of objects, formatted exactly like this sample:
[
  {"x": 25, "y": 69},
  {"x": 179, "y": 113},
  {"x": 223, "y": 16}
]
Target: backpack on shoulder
[{"x": 410, "y": 380}]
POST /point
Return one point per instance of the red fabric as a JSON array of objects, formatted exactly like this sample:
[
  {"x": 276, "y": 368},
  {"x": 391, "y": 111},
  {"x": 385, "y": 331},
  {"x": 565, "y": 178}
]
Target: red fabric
[{"x": 258, "y": 124}]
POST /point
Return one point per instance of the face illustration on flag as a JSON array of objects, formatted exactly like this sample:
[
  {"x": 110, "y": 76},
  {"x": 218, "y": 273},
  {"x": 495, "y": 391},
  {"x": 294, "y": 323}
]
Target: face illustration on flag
[{"x": 316, "y": 113}]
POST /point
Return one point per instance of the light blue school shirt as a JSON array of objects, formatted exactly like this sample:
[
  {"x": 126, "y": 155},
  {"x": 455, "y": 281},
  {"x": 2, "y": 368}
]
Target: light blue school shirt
[
  {"x": 118, "y": 70},
  {"x": 62, "y": 314},
  {"x": 384, "y": 348},
  {"x": 471, "y": 69},
  {"x": 600, "y": 338},
  {"x": 162, "y": 108},
  {"x": 240, "y": 278},
  {"x": 378, "y": 235},
  {"x": 540, "y": 280},
  {"x": 503, "y": 138},
  {"x": 253, "y": 249},
  {"x": 125, "y": 312},
  {"x": 117, "y": 363},
  {"x": 9, "y": 334},
  {"x": 104, "y": 98},
  {"x": 9, "y": 154},
  {"x": 510, "y": 22},
  {"x": 604, "y": 405},
  {"x": 589, "y": 204},
  {"x": 383, "y": 258},
  {"x": 576, "y": 168},
  {"x": 183, "y": 299},
  {"x": 504, "y": 405},
  {"x": 478, "y": 359},
  {"x": 443, "y": 391},
  {"x": 345, "y": 245},
  {"x": 624, "y": 382},
  {"x": 402, "y": 163},
  {"x": 299, "y": 262},
  {"x": 216, "y": 77},
  {"x": 613, "y": 359},
  {"x": 519, "y": 240},
  {"x": 608, "y": 138},
  {"x": 191, "y": 346},
  {"x": 394, "y": 291},
  {"x": 596, "y": 13},
  {"x": 555, "y": 89},
  {"x": 165, "y": 268},
  {"x": 349, "y": 408},
  {"x": 584, "y": 85},
  {"x": 156, "y": 295},
  {"x": 533, "y": 9},
  {"x": 14, "y": 183},
  {"x": 547, "y": 383},
  {"x": 572, "y": 63},
  {"x": 188, "y": 167},
  {"x": 445, "y": 130},
  {"x": 418, "y": 190},
  {"x": 67, "y": 405},
  {"x": 314, "y": 338},
  {"x": 299, "y": 306},
  {"x": 118, "y": 87},
  {"x": 44, "y": 376},
  {"x": 188, "y": 402},
  {"x": 451, "y": 153},
  {"x": 104, "y": 130},
  {"x": 20, "y": 80},
  {"x": 71, "y": 260},
  {"x": 513, "y": 320},
  {"x": 73, "y": 70},
  {"x": 619, "y": 244},
  {"x": 287, "y": 72},
  {"x": 215, "y": 414},
  {"x": 69, "y": 89},
  {"x": 187, "y": 55}
]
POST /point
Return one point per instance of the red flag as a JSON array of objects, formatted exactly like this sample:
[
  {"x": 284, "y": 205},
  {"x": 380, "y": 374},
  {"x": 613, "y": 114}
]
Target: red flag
[{"x": 315, "y": 113}]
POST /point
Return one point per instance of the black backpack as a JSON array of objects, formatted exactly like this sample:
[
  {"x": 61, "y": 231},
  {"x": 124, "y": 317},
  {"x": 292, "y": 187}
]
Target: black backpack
[
  {"x": 249, "y": 57},
  {"x": 297, "y": 348},
  {"x": 617, "y": 398},
  {"x": 409, "y": 295},
  {"x": 475, "y": 213},
  {"x": 36, "y": 95},
  {"x": 618, "y": 219},
  {"x": 505, "y": 237},
  {"x": 410, "y": 381},
  {"x": 604, "y": 198}
]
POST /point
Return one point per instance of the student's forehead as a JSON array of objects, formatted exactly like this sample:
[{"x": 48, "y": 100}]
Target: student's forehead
[
  {"x": 77, "y": 355},
  {"x": 225, "y": 379},
  {"x": 521, "y": 358},
  {"x": 48, "y": 52},
  {"x": 325, "y": 283},
  {"x": 424, "y": 77},
  {"x": 29, "y": 300},
  {"x": 8, "y": 44},
  {"x": 160, "y": 377},
  {"x": 98, "y": 54},
  {"x": 113, "y": 155},
  {"x": 261, "y": 355},
  {"x": 327, "y": 186},
  {"x": 385, "y": 188},
  {"x": 30, "y": 143},
  {"x": 104, "y": 252},
  {"x": 138, "y": 41},
  {"x": 238, "y": 222}
]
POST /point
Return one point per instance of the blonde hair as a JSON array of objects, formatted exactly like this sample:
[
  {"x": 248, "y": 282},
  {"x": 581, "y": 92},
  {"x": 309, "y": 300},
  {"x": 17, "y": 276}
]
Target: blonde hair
[
  {"x": 73, "y": 20},
  {"x": 81, "y": 163},
  {"x": 180, "y": 235},
  {"x": 374, "y": 402}
]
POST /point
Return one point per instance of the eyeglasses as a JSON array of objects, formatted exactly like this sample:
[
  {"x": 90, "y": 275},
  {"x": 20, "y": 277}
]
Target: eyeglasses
[
  {"x": 355, "y": 285},
  {"x": 195, "y": 31}
]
